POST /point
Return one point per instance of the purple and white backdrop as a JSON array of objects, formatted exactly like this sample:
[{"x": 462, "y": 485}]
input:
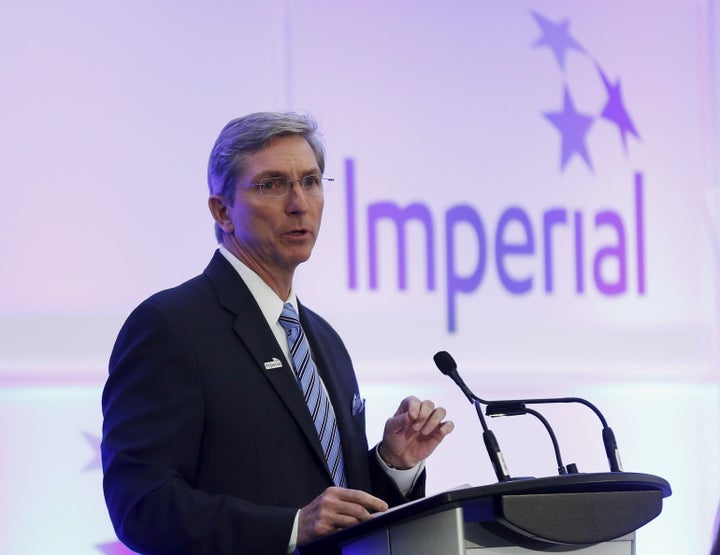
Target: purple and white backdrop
[{"x": 532, "y": 186}]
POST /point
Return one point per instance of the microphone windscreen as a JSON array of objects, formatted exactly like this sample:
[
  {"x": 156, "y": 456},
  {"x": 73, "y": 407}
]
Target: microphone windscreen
[{"x": 445, "y": 362}]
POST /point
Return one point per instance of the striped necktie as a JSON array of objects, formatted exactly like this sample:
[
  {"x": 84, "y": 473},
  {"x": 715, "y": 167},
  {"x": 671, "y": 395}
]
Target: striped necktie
[{"x": 315, "y": 396}]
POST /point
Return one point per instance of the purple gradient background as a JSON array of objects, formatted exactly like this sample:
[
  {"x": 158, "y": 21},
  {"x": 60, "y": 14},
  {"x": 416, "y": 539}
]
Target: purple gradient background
[{"x": 109, "y": 112}]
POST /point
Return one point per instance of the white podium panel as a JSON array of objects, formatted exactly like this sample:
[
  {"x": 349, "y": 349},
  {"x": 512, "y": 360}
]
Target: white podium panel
[{"x": 446, "y": 533}]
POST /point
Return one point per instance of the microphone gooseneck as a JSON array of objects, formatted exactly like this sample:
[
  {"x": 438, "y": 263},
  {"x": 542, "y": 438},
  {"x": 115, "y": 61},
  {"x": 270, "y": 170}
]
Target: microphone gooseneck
[
  {"x": 446, "y": 364},
  {"x": 608, "y": 437},
  {"x": 519, "y": 409}
]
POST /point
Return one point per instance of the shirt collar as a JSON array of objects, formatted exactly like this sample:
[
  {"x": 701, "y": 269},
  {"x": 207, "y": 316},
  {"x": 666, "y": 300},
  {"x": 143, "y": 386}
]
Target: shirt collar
[{"x": 270, "y": 304}]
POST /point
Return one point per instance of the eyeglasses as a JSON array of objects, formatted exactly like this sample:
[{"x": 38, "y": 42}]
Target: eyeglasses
[{"x": 312, "y": 184}]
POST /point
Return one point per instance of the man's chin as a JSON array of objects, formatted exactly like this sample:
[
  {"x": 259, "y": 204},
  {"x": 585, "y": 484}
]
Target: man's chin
[{"x": 297, "y": 257}]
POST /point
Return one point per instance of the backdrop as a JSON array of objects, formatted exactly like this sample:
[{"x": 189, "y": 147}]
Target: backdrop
[{"x": 531, "y": 186}]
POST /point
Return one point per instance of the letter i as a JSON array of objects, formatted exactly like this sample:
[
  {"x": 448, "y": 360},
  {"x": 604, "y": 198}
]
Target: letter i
[
  {"x": 579, "y": 274},
  {"x": 351, "y": 229},
  {"x": 640, "y": 232}
]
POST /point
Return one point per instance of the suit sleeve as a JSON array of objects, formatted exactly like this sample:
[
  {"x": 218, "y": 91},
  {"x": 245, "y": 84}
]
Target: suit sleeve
[{"x": 153, "y": 409}]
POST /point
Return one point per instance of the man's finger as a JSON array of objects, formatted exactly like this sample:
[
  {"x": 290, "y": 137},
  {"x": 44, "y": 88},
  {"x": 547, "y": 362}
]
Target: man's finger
[
  {"x": 363, "y": 499},
  {"x": 434, "y": 420}
]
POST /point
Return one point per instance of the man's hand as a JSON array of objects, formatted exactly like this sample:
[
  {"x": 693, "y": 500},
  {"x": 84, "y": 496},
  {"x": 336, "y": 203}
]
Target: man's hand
[
  {"x": 335, "y": 509},
  {"x": 413, "y": 433}
]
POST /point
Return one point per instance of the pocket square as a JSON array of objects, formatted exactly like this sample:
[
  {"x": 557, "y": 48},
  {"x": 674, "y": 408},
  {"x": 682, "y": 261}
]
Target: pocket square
[{"x": 358, "y": 404}]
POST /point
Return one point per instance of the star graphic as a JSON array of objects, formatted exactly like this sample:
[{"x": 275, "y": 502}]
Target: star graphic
[
  {"x": 557, "y": 37},
  {"x": 615, "y": 111},
  {"x": 114, "y": 548},
  {"x": 96, "y": 461},
  {"x": 573, "y": 127}
]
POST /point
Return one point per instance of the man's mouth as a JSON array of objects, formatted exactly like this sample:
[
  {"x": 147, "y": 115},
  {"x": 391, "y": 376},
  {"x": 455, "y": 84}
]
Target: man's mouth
[{"x": 298, "y": 232}]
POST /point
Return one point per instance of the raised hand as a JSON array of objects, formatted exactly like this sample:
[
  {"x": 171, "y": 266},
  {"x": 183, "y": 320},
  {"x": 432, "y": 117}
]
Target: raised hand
[{"x": 413, "y": 433}]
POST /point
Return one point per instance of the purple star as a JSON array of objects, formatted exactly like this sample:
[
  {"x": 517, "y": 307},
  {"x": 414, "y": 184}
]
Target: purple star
[
  {"x": 114, "y": 548},
  {"x": 615, "y": 109},
  {"x": 573, "y": 127},
  {"x": 94, "y": 442},
  {"x": 557, "y": 37}
]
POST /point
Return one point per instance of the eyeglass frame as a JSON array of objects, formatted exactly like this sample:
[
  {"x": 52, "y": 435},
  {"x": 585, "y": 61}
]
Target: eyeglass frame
[{"x": 285, "y": 185}]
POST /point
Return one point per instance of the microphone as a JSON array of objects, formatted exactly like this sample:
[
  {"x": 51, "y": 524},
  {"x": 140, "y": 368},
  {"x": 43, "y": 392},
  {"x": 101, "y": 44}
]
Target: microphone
[
  {"x": 446, "y": 364},
  {"x": 608, "y": 437}
]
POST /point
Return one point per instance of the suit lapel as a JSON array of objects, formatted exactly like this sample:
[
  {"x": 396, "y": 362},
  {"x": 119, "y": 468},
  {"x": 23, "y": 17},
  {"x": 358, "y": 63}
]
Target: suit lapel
[{"x": 253, "y": 331}]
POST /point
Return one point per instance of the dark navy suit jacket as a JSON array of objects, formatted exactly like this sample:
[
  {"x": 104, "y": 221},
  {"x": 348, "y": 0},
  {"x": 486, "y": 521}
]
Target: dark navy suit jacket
[{"x": 205, "y": 451}]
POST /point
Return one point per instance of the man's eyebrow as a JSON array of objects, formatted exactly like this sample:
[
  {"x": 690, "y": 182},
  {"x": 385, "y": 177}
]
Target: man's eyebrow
[{"x": 265, "y": 174}]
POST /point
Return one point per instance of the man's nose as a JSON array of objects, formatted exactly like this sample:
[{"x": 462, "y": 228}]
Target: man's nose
[{"x": 297, "y": 198}]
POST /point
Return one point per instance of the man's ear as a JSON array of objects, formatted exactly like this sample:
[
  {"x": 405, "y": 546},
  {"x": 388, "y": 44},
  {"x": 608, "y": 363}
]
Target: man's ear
[{"x": 218, "y": 206}]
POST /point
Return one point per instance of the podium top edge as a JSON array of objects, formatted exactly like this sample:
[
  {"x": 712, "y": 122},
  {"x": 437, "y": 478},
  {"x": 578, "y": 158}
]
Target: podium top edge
[{"x": 566, "y": 483}]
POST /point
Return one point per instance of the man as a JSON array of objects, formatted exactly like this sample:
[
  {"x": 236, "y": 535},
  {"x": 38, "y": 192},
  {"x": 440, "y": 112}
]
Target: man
[{"x": 209, "y": 444}]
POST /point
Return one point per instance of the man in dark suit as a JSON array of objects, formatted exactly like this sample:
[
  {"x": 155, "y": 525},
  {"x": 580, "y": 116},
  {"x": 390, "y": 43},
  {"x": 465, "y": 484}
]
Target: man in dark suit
[{"x": 225, "y": 431}]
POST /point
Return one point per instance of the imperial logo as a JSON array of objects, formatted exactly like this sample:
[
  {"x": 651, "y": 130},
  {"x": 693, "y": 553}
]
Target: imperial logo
[
  {"x": 604, "y": 268},
  {"x": 572, "y": 125}
]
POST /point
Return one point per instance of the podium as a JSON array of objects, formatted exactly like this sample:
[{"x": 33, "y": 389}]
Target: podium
[{"x": 596, "y": 513}]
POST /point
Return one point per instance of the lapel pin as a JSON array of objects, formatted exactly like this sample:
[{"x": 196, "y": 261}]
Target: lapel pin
[{"x": 274, "y": 363}]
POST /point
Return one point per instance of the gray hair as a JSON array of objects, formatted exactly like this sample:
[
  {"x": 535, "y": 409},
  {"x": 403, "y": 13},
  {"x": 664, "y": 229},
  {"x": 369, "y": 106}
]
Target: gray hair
[{"x": 250, "y": 134}]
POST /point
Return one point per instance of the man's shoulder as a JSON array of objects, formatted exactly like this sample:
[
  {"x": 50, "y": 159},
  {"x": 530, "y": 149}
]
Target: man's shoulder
[
  {"x": 182, "y": 302},
  {"x": 194, "y": 289},
  {"x": 182, "y": 297}
]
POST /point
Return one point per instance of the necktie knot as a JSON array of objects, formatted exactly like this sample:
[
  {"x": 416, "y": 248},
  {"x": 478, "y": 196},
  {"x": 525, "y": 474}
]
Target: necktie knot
[{"x": 289, "y": 319}]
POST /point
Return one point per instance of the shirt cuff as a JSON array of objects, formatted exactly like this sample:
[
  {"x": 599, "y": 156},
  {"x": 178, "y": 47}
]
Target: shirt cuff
[
  {"x": 292, "y": 546},
  {"x": 404, "y": 479}
]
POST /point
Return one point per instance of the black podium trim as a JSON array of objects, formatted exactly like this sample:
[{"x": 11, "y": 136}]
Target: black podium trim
[{"x": 578, "y": 518}]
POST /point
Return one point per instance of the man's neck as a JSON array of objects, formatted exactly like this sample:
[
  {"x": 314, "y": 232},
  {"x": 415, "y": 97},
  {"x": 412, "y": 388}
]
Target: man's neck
[{"x": 280, "y": 284}]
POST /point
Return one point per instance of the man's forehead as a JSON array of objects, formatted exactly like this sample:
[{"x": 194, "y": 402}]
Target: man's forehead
[{"x": 285, "y": 154}]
